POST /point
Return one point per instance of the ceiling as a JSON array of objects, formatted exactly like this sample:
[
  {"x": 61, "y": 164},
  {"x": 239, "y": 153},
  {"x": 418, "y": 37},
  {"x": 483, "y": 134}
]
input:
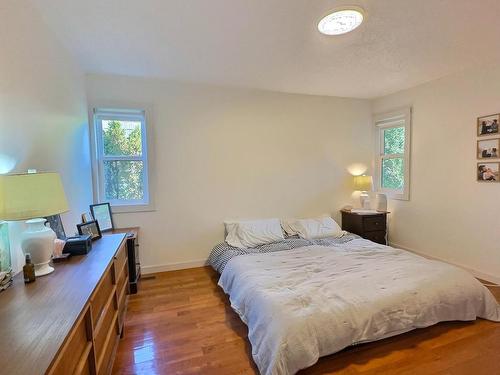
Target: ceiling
[{"x": 275, "y": 45}]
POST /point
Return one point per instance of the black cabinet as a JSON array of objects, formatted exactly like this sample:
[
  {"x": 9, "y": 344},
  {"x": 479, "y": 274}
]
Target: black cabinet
[
  {"x": 373, "y": 227},
  {"x": 134, "y": 266}
]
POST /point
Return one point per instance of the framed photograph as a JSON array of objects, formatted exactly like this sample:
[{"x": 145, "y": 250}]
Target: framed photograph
[
  {"x": 488, "y": 172},
  {"x": 488, "y": 148},
  {"x": 102, "y": 213},
  {"x": 91, "y": 227},
  {"x": 57, "y": 226},
  {"x": 488, "y": 125}
]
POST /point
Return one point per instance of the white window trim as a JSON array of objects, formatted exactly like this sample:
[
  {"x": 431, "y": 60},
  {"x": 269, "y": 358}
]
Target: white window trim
[
  {"x": 388, "y": 120},
  {"x": 100, "y": 113}
]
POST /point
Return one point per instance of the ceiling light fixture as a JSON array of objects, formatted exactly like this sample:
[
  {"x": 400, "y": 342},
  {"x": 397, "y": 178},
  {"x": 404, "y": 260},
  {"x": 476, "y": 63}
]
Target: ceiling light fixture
[{"x": 341, "y": 21}]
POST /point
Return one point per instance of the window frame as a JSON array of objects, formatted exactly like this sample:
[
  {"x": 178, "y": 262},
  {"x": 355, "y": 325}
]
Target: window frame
[
  {"x": 121, "y": 114},
  {"x": 389, "y": 120}
]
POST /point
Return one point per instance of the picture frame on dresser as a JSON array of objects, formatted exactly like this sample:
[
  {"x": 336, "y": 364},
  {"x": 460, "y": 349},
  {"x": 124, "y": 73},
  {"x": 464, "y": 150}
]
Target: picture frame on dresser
[
  {"x": 90, "y": 227},
  {"x": 103, "y": 214}
]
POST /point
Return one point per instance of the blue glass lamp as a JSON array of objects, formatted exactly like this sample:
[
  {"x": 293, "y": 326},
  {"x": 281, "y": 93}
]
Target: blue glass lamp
[{"x": 5, "y": 262}]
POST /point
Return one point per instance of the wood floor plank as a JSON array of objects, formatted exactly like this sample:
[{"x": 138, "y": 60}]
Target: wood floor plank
[{"x": 181, "y": 323}]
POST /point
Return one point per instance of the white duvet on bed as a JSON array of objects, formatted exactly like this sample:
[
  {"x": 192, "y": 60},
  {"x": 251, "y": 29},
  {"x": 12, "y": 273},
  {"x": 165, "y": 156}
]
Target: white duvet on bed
[{"x": 313, "y": 301}]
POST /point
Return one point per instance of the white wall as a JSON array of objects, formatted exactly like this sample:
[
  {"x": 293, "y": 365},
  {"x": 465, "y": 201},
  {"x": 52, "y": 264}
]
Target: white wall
[
  {"x": 449, "y": 216},
  {"x": 43, "y": 111},
  {"x": 234, "y": 153}
]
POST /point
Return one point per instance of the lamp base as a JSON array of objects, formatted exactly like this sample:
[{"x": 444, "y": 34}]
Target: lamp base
[
  {"x": 43, "y": 269},
  {"x": 38, "y": 241}
]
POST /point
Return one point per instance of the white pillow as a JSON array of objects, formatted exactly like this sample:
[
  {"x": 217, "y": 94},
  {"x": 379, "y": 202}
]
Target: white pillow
[
  {"x": 312, "y": 228},
  {"x": 252, "y": 233}
]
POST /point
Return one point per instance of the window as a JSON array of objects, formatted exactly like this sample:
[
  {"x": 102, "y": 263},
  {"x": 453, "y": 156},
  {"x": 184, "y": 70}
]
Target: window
[
  {"x": 121, "y": 157},
  {"x": 393, "y": 154}
]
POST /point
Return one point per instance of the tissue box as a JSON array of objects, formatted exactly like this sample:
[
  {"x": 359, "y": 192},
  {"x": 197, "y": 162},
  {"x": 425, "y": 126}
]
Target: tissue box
[{"x": 78, "y": 245}]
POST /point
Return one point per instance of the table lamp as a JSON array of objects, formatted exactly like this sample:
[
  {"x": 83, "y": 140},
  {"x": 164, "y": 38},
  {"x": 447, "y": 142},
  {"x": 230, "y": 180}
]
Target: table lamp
[
  {"x": 33, "y": 196},
  {"x": 364, "y": 184}
]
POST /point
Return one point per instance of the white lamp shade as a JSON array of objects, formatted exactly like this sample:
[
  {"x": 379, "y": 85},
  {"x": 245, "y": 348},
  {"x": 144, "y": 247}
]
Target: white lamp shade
[
  {"x": 32, "y": 195},
  {"x": 363, "y": 183}
]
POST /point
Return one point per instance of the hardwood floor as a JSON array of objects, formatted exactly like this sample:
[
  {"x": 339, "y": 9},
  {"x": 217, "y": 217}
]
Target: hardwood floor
[{"x": 180, "y": 322}]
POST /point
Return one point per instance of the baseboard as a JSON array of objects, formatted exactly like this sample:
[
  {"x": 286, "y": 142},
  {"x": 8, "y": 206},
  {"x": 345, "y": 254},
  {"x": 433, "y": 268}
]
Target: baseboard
[
  {"x": 476, "y": 273},
  {"x": 173, "y": 266}
]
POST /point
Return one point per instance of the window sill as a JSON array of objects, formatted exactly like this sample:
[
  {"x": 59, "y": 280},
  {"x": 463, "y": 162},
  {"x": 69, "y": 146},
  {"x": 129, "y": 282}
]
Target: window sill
[
  {"x": 125, "y": 209},
  {"x": 398, "y": 198},
  {"x": 395, "y": 196}
]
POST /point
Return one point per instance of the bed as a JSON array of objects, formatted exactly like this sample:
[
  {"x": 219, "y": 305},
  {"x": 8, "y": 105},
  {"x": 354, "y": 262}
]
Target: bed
[{"x": 304, "y": 299}]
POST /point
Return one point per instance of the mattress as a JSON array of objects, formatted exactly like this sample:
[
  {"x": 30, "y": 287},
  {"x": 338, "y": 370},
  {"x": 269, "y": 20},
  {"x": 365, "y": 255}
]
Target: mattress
[{"x": 316, "y": 300}]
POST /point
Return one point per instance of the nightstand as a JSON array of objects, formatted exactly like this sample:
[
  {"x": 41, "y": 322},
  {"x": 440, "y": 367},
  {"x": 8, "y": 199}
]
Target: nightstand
[{"x": 373, "y": 227}]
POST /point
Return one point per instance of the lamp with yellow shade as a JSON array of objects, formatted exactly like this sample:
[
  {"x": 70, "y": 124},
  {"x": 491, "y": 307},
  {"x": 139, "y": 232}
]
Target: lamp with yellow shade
[
  {"x": 363, "y": 184},
  {"x": 34, "y": 196}
]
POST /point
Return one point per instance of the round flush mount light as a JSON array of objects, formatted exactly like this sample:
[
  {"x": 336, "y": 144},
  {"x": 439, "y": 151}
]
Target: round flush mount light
[{"x": 341, "y": 21}]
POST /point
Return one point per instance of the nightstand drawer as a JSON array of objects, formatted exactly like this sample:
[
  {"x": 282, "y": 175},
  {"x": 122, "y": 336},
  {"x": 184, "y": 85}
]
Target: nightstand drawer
[
  {"x": 374, "y": 223},
  {"x": 378, "y": 236}
]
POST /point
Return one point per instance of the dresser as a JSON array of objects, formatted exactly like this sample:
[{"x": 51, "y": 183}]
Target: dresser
[
  {"x": 373, "y": 227},
  {"x": 70, "y": 321}
]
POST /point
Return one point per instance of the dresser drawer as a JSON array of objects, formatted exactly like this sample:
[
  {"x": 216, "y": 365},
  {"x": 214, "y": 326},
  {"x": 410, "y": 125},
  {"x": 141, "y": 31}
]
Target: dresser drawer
[
  {"x": 120, "y": 260},
  {"x": 377, "y": 236},
  {"x": 75, "y": 356},
  {"x": 85, "y": 368},
  {"x": 121, "y": 276},
  {"x": 105, "y": 363},
  {"x": 101, "y": 296},
  {"x": 121, "y": 288},
  {"x": 374, "y": 223},
  {"x": 104, "y": 325},
  {"x": 122, "y": 301}
]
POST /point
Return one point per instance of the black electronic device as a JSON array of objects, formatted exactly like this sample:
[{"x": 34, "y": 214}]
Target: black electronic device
[{"x": 78, "y": 245}]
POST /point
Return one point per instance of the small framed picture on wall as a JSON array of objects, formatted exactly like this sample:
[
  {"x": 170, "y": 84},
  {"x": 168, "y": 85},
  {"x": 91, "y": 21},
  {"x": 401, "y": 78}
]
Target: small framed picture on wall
[
  {"x": 488, "y": 125},
  {"x": 488, "y": 148},
  {"x": 488, "y": 172}
]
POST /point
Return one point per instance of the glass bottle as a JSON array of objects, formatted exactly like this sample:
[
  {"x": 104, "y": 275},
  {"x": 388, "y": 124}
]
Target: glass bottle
[{"x": 29, "y": 270}]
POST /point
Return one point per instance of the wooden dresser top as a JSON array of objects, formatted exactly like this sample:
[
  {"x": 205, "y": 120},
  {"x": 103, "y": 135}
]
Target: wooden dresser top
[{"x": 36, "y": 318}]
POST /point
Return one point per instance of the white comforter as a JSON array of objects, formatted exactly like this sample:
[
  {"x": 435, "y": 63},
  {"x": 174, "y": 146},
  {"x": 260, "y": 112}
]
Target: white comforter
[{"x": 313, "y": 301}]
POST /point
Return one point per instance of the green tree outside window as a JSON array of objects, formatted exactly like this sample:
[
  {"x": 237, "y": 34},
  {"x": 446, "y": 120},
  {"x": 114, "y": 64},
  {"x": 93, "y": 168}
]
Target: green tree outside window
[
  {"x": 123, "y": 178},
  {"x": 393, "y": 168}
]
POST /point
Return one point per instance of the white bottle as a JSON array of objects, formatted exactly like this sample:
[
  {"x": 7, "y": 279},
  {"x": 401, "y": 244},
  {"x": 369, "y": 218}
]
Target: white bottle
[{"x": 381, "y": 202}]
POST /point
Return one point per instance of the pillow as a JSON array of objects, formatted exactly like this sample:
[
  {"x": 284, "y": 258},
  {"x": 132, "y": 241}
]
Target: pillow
[
  {"x": 313, "y": 228},
  {"x": 252, "y": 233}
]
